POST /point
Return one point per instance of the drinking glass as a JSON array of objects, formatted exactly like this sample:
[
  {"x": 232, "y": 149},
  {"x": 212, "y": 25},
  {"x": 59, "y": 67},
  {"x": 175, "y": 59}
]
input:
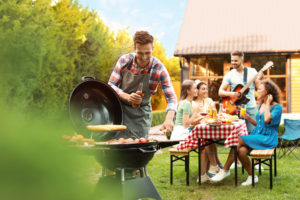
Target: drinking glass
[{"x": 243, "y": 110}]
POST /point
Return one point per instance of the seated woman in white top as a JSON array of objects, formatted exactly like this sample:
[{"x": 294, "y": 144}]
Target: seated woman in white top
[
  {"x": 185, "y": 118},
  {"x": 202, "y": 103}
]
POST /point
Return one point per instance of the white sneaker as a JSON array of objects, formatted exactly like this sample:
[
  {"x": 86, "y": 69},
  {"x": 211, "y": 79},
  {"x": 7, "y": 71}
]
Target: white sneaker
[
  {"x": 257, "y": 167},
  {"x": 238, "y": 165},
  {"x": 213, "y": 169},
  {"x": 220, "y": 176},
  {"x": 249, "y": 180},
  {"x": 204, "y": 178}
]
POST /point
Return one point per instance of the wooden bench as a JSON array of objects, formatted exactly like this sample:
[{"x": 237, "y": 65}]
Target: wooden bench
[
  {"x": 183, "y": 155},
  {"x": 263, "y": 156}
]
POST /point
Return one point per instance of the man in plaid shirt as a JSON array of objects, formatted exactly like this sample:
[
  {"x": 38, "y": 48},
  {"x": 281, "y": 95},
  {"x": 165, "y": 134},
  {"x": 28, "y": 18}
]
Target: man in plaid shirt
[{"x": 141, "y": 69}]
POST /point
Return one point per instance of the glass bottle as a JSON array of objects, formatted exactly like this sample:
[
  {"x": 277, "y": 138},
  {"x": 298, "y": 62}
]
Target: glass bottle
[
  {"x": 220, "y": 108},
  {"x": 226, "y": 108},
  {"x": 139, "y": 91}
]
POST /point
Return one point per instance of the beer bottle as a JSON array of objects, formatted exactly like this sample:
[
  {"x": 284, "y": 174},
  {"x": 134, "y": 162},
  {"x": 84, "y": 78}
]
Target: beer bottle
[{"x": 139, "y": 92}]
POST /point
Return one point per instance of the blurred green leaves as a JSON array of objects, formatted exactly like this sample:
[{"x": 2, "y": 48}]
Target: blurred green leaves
[
  {"x": 45, "y": 50},
  {"x": 35, "y": 164}
]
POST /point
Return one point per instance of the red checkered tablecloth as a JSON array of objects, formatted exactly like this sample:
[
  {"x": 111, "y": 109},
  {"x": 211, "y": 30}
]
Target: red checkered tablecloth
[{"x": 204, "y": 131}]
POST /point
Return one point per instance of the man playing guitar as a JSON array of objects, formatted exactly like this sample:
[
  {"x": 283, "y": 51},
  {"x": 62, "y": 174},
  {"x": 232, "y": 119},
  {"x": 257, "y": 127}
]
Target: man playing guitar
[{"x": 235, "y": 77}]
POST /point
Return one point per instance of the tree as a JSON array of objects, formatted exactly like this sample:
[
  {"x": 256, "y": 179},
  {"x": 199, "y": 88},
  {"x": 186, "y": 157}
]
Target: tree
[
  {"x": 172, "y": 65},
  {"x": 47, "y": 48}
]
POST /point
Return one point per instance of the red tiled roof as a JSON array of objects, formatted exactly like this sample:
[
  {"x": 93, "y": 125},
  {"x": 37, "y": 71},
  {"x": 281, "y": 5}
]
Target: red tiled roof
[{"x": 252, "y": 26}]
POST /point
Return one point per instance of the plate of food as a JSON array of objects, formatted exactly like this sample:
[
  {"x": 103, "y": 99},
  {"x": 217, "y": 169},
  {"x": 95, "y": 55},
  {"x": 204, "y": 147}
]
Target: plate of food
[
  {"x": 228, "y": 117},
  {"x": 214, "y": 122}
]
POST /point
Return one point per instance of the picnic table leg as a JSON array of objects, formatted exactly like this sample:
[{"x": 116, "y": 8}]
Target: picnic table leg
[
  {"x": 199, "y": 162},
  {"x": 235, "y": 164}
]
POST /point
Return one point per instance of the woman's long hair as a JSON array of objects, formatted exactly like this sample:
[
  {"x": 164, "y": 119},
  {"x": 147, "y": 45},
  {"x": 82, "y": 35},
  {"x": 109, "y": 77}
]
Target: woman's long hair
[
  {"x": 186, "y": 85},
  {"x": 273, "y": 89}
]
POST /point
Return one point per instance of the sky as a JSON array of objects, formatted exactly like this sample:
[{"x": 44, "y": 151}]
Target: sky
[{"x": 161, "y": 18}]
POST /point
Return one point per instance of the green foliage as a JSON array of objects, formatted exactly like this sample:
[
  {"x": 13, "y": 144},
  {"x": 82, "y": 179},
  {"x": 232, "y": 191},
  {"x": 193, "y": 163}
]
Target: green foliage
[
  {"x": 35, "y": 164},
  {"x": 158, "y": 117},
  {"x": 172, "y": 65},
  {"x": 280, "y": 129},
  {"x": 45, "y": 50}
]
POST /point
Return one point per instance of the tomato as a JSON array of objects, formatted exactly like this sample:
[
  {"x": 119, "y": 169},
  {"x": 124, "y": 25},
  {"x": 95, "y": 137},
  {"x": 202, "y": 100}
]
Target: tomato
[{"x": 143, "y": 140}]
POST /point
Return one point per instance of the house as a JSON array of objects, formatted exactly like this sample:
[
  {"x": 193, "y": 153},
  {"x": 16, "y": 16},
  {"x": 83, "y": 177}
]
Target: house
[{"x": 263, "y": 29}]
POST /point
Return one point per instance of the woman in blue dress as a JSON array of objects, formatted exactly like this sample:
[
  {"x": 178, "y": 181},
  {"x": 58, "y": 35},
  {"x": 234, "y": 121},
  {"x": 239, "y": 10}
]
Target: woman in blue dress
[{"x": 265, "y": 134}]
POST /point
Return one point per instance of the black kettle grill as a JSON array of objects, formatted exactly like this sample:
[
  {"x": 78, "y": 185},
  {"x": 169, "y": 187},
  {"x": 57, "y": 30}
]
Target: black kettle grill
[{"x": 93, "y": 102}]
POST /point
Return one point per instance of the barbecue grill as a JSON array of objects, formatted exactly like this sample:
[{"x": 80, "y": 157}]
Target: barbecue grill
[{"x": 93, "y": 102}]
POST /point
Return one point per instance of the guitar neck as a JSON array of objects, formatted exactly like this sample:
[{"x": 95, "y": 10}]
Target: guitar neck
[
  {"x": 248, "y": 84},
  {"x": 266, "y": 66}
]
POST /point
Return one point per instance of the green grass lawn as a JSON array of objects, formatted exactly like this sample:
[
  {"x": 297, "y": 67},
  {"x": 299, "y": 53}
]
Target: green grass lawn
[{"x": 285, "y": 186}]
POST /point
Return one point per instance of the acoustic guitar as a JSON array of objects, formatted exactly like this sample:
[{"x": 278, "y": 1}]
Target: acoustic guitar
[{"x": 243, "y": 90}]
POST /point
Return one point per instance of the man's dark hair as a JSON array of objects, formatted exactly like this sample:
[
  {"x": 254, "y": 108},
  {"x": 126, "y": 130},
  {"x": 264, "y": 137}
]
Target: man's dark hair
[
  {"x": 237, "y": 53},
  {"x": 142, "y": 37}
]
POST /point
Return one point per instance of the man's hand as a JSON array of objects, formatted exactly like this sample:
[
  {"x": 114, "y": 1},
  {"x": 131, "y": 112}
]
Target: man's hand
[
  {"x": 135, "y": 99},
  {"x": 235, "y": 95},
  {"x": 168, "y": 124}
]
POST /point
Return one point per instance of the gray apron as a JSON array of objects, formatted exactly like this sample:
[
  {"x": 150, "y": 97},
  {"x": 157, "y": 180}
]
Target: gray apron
[{"x": 138, "y": 120}]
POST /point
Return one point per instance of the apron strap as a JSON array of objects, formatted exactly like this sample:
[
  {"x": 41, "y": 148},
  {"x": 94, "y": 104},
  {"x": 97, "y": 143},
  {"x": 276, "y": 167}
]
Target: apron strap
[{"x": 245, "y": 75}]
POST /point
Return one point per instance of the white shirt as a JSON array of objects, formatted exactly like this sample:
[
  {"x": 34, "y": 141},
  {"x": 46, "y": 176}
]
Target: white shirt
[{"x": 233, "y": 78}]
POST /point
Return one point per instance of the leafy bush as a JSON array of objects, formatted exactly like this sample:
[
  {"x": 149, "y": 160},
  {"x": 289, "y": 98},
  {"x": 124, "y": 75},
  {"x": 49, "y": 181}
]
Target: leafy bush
[
  {"x": 158, "y": 117},
  {"x": 280, "y": 133},
  {"x": 280, "y": 129}
]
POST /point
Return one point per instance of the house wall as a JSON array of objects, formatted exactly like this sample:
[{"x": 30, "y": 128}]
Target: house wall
[{"x": 295, "y": 84}]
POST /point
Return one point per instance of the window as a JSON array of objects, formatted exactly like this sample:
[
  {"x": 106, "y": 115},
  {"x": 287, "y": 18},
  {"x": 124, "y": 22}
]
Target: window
[{"x": 212, "y": 70}]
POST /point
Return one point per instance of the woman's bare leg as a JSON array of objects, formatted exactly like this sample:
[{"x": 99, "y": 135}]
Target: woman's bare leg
[
  {"x": 211, "y": 151},
  {"x": 243, "y": 151},
  {"x": 230, "y": 159},
  {"x": 214, "y": 147},
  {"x": 204, "y": 161}
]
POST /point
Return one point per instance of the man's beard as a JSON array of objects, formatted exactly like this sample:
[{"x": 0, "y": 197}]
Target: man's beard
[{"x": 237, "y": 66}]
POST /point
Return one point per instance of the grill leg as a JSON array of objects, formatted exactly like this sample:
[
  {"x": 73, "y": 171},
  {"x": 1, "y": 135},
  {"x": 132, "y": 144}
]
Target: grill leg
[{"x": 139, "y": 188}]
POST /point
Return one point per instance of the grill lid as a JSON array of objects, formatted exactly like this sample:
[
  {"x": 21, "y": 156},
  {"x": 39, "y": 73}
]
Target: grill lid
[{"x": 93, "y": 102}]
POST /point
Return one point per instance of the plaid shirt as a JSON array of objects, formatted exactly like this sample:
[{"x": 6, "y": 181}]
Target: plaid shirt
[{"x": 158, "y": 75}]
